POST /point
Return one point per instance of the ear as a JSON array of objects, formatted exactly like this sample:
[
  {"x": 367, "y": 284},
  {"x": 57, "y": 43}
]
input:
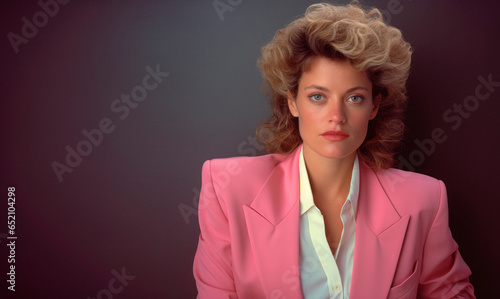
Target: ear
[
  {"x": 292, "y": 104},
  {"x": 376, "y": 105}
]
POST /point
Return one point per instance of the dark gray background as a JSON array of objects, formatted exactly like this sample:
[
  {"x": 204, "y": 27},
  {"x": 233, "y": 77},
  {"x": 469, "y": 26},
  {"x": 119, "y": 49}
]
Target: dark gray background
[{"x": 121, "y": 206}]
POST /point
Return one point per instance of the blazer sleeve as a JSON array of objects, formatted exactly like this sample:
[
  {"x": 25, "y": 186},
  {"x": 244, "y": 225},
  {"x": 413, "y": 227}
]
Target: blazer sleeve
[
  {"x": 212, "y": 267},
  {"x": 444, "y": 272}
]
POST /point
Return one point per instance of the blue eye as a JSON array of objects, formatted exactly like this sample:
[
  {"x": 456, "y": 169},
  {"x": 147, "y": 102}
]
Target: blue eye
[
  {"x": 316, "y": 97},
  {"x": 355, "y": 99}
]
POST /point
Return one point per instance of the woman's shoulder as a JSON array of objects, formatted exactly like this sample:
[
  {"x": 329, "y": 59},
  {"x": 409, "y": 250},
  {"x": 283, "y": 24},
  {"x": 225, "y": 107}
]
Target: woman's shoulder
[
  {"x": 413, "y": 190},
  {"x": 407, "y": 178},
  {"x": 245, "y": 164},
  {"x": 240, "y": 177}
]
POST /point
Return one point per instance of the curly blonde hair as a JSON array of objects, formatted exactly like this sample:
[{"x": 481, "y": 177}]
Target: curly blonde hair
[{"x": 343, "y": 33}]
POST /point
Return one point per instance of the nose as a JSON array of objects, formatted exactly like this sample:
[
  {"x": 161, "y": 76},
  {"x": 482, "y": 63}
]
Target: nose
[{"x": 336, "y": 112}]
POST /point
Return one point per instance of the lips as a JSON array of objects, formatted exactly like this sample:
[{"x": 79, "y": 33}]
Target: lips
[{"x": 335, "y": 135}]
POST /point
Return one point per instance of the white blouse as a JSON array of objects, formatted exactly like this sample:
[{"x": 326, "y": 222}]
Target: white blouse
[{"x": 322, "y": 274}]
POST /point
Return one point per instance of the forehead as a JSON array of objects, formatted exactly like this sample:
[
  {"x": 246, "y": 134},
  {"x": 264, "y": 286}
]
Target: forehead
[{"x": 333, "y": 73}]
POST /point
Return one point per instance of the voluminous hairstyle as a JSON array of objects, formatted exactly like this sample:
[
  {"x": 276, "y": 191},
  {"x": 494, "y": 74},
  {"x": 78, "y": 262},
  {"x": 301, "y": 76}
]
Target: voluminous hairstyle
[{"x": 343, "y": 33}]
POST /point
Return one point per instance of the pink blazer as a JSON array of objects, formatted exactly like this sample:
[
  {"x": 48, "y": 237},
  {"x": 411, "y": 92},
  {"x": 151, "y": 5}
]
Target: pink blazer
[{"x": 249, "y": 242}]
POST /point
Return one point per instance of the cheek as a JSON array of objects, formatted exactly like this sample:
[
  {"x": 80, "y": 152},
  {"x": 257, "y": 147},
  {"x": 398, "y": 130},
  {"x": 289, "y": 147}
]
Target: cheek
[
  {"x": 360, "y": 121},
  {"x": 309, "y": 120}
]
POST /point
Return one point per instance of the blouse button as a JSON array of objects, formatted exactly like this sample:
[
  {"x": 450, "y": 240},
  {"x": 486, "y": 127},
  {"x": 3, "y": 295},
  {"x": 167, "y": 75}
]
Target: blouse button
[{"x": 337, "y": 288}]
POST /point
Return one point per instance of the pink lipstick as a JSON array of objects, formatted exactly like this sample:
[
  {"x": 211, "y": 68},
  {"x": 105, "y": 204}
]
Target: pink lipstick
[{"x": 335, "y": 135}]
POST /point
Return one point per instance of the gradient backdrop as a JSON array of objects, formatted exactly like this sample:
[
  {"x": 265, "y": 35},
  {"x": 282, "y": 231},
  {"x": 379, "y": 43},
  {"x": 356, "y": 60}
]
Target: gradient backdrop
[{"x": 127, "y": 206}]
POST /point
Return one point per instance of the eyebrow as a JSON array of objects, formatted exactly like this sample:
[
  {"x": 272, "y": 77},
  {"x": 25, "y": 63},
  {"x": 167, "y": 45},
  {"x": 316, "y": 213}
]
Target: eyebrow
[{"x": 327, "y": 90}]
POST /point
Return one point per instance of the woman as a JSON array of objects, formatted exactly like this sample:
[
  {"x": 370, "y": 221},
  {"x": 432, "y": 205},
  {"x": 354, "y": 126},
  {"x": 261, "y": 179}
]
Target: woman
[{"x": 323, "y": 215}]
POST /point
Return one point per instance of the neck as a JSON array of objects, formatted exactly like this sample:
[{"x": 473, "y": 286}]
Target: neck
[{"x": 330, "y": 178}]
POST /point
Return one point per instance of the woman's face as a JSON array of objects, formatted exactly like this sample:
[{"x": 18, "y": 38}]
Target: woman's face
[{"x": 334, "y": 104}]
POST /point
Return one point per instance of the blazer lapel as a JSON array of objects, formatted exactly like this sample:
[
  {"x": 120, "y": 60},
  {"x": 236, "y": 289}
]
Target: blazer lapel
[
  {"x": 380, "y": 232},
  {"x": 273, "y": 226}
]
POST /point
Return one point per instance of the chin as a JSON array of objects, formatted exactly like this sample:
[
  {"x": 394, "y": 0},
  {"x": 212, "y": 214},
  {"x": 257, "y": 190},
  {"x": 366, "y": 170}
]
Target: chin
[{"x": 336, "y": 152}]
